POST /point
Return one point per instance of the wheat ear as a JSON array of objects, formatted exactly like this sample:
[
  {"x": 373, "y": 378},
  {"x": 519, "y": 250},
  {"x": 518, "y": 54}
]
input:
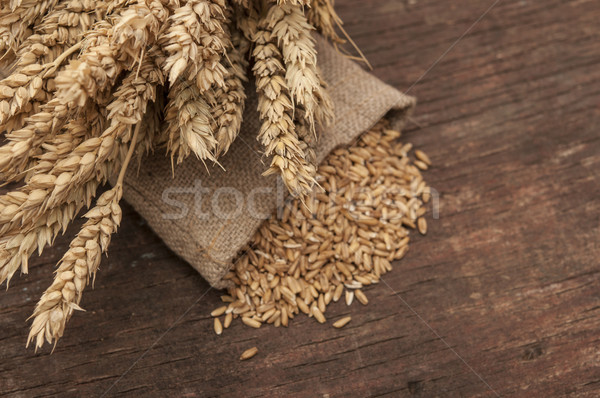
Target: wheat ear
[
  {"x": 93, "y": 158},
  {"x": 80, "y": 263},
  {"x": 15, "y": 21},
  {"x": 107, "y": 51},
  {"x": 323, "y": 17},
  {"x": 292, "y": 32},
  {"x": 18, "y": 246},
  {"x": 227, "y": 102},
  {"x": 277, "y": 132},
  {"x": 195, "y": 42},
  {"x": 62, "y": 27},
  {"x": 188, "y": 123},
  {"x": 20, "y": 240},
  {"x": 31, "y": 82}
]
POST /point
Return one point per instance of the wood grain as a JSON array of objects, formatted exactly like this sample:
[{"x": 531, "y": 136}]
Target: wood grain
[{"x": 501, "y": 297}]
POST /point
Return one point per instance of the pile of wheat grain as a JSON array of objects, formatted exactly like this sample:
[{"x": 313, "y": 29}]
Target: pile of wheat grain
[
  {"x": 92, "y": 84},
  {"x": 339, "y": 240}
]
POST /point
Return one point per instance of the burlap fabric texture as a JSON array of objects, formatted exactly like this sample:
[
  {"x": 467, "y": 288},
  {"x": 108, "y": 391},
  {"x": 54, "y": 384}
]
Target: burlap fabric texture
[{"x": 207, "y": 214}]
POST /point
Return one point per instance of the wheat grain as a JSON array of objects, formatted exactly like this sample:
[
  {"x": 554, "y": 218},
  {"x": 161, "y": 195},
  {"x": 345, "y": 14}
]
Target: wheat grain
[
  {"x": 219, "y": 311},
  {"x": 342, "y": 322},
  {"x": 421, "y": 165},
  {"x": 360, "y": 296},
  {"x": 249, "y": 353},
  {"x": 218, "y": 327},
  {"x": 422, "y": 226},
  {"x": 422, "y": 156},
  {"x": 317, "y": 313},
  {"x": 228, "y": 319},
  {"x": 251, "y": 322},
  {"x": 349, "y": 297},
  {"x": 339, "y": 240}
]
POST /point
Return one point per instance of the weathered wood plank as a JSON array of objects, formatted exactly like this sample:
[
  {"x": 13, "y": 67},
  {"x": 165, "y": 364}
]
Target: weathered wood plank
[{"x": 507, "y": 278}]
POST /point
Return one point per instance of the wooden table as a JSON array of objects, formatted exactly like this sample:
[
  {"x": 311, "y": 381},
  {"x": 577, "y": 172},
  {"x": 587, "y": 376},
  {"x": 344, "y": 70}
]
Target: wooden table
[{"x": 502, "y": 297}]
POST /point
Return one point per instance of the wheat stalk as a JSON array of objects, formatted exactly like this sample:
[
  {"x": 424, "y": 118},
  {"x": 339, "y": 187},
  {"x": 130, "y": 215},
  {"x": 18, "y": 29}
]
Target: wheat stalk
[
  {"x": 62, "y": 27},
  {"x": 79, "y": 263},
  {"x": 196, "y": 41},
  {"x": 227, "y": 102},
  {"x": 292, "y": 32},
  {"x": 78, "y": 168},
  {"x": 16, "y": 19},
  {"x": 84, "y": 73},
  {"x": 323, "y": 17},
  {"x": 188, "y": 123},
  {"x": 278, "y": 134}
]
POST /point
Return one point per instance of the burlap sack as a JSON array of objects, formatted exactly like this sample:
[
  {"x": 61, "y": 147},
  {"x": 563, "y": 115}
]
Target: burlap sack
[{"x": 207, "y": 214}]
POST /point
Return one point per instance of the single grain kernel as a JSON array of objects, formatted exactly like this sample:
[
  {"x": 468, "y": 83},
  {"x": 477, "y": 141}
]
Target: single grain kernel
[
  {"x": 217, "y": 326},
  {"x": 340, "y": 323},
  {"x": 360, "y": 296},
  {"x": 249, "y": 353},
  {"x": 219, "y": 311}
]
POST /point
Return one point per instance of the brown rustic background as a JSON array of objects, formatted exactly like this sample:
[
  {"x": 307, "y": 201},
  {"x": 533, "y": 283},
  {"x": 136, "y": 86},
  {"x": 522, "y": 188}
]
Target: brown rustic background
[{"x": 501, "y": 298}]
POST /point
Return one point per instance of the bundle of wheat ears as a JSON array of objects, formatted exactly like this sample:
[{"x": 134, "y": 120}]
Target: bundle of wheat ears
[{"x": 91, "y": 85}]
